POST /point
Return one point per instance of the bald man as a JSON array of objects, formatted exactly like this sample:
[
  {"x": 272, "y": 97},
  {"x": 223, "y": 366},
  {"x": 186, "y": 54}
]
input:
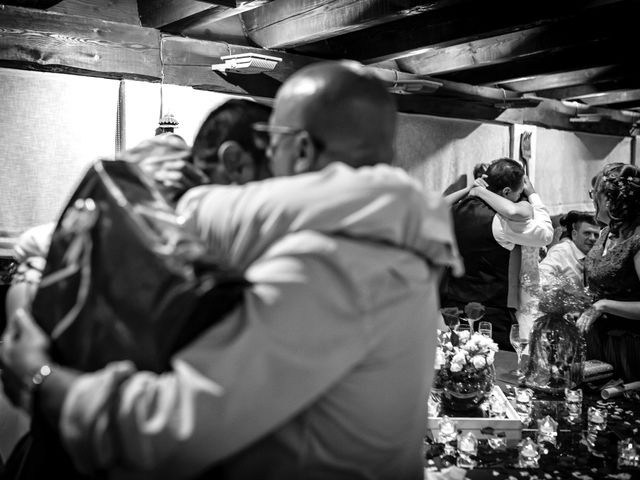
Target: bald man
[{"x": 324, "y": 371}]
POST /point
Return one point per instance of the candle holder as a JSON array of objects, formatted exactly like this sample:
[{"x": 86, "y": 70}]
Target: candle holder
[
  {"x": 628, "y": 454},
  {"x": 596, "y": 423},
  {"x": 547, "y": 430},
  {"x": 447, "y": 432},
  {"x": 524, "y": 404},
  {"x": 573, "y": 404},
  {"x": 467, "y": 450},
  {"x": 497, "y": 442},
  {"x": 497, "y": 408},
  {"x": 528, "y": 454}
]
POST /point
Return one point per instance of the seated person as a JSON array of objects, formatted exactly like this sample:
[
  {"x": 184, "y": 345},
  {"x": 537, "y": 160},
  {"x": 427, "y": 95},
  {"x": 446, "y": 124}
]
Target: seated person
[{"x": 566, "y": 258}]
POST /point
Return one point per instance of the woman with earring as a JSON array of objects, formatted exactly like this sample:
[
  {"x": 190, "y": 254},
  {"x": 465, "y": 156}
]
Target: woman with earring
[{"x": 612, "y": 270}]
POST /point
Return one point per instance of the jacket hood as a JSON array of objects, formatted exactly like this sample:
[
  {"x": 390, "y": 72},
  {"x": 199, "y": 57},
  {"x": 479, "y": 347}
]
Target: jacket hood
[{"x": 379, "y": 203}]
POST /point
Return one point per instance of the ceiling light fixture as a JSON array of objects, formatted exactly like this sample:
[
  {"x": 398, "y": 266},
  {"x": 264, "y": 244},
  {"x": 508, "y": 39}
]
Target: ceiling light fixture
[
  {"x": 586, "y": 118},
  {"x": 246, "y": 63},
  {"x": 413, "y": 86}
]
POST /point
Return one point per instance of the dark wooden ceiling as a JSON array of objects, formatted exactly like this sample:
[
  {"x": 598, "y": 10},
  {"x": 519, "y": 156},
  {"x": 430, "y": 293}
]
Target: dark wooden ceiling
[{"x": 564, "y": 64}]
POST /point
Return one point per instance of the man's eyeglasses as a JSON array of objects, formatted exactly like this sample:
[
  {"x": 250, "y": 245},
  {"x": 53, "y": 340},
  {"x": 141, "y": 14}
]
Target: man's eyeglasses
[
  {"x": 262, "y": 132},
  {"x": 591, "y": 192}
]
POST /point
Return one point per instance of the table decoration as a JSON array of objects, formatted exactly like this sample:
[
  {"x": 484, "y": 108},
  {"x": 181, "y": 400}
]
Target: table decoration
[
  {"x": 547, "y": 430},
  {"x": 467, "y": 375},
  {"x": 596, "y": 423},
  {"x": 482, "y": 422},
  {"x": 467, "y": 450},
  {"x": 524, "y": 404},
  {"x": 528, "y": 454},
  {"x": 628, "y": 454},
  {"x": 611, "y": 392},
  {"x": 573, "y": 404},
  {"x": 556, "y": 347}
]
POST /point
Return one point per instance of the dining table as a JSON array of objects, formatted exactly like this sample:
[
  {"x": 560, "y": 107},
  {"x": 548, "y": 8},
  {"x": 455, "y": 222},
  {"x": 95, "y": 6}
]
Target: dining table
[{"x": 569, "y": 456}]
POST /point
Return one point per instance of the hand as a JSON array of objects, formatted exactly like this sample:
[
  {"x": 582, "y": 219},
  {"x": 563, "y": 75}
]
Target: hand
[
  {"x": 481, "y": 182},
  {"x": 24, "y": 350},
  {"x": 588, "y": 318},
  {"x": 173, "y": 177},
  {"x": 528, "y": 186}
]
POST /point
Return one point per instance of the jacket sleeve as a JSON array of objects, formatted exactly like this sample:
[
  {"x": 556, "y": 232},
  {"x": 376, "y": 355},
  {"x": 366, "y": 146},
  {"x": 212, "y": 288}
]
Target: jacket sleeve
[{"x": 296, "y": 334}]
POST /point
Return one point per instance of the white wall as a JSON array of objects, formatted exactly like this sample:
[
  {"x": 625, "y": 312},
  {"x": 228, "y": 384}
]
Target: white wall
[{"x": 54, "y": 125}]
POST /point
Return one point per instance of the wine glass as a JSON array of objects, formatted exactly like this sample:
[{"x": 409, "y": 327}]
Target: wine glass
[
  {"x": 472, "y": 315},
  {"x": 451, "y": 320},
  {"x": 519, "y": 342}
]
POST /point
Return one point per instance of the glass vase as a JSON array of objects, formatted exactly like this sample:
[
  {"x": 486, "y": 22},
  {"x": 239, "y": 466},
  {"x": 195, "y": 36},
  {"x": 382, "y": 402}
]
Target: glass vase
[
  {"x": 465, "y": 391},
  {"x": 556, "y": 355}
]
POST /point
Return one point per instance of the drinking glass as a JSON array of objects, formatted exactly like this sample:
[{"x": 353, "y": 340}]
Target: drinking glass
[
  {"x": 485, "y": 329},
  {"x": 473, "y": 311},
  {"x": 463, "y": 328},
  {"x": 452, "y": 321},
  {"x": 519, "y": 343}
]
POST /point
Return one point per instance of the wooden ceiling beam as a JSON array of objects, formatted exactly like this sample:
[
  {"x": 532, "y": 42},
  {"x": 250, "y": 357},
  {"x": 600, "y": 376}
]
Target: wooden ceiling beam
[
  {"x": 561, "y": 79},
  {"x": 509, "y": 47},
  {"x": 631, "y": 81},
  {"x": 449, "y": 26},
  {"x": 593, "y": 54},
  {"x": 56, "y": 42},
  {"x": 292, "y": 24},
  {"x": 175, "y": 15},
  {"x": 40, "y": 4},
  {"x": 607, "y": 98}
]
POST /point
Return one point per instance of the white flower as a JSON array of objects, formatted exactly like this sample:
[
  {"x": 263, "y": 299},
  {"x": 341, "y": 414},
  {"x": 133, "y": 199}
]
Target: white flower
[
  {"x": 490, "y": 357},
  {"x": 464, "y": 336},
  {"x": 455, "y": 367},
  {"x": 478, "y": 361},
  {"x": 459, "y": 358}
]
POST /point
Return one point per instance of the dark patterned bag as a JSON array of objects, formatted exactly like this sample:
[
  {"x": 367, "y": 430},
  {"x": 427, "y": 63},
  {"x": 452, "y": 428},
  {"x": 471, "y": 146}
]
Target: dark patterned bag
[{"x": 123, "y": 280}]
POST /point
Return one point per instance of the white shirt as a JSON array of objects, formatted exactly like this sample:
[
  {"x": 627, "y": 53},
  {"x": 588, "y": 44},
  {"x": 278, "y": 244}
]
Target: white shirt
[
  {"x": 564, "y": 260},
  {"x": 535, "y": 232}
]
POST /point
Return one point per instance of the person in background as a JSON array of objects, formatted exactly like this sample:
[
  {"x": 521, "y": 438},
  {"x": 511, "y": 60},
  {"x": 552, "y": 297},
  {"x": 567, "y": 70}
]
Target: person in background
[
  {"x": 288, "y": 386},
  {"x": 612, "y": 269},
  {"x": 566, "y": 258},
  {"x": 223, "y": 152},
  {"x": 488, "y": 241}
]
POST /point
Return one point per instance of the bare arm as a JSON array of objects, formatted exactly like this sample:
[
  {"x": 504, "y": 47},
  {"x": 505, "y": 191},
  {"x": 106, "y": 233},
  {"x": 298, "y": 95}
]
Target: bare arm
[
  {"x": 457, "y": 195},
  {"x": 520, "y": 211}
]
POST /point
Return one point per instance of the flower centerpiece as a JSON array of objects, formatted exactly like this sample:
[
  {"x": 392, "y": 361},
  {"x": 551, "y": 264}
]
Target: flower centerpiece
[
  {"x": 466, "y": 373},
  {"x": 556, "y": 347}
]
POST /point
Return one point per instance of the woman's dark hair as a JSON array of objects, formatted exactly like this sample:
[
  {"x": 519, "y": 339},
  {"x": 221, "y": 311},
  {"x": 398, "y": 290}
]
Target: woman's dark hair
[
  {"x": 504, "y": 172},
  {"x": 620, "y": 185},
  {"x": 479, "y": 170},
  {"x": 232, "y": 120},
  {"x": 570, "y": 220}
]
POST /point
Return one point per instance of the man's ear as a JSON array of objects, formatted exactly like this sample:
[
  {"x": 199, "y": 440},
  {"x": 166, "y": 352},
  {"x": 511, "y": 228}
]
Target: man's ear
[
  {"x": 505, "y": 192},
  {"x": 306, "y": 154},
  {"x": 236, "y": 161},
  {"x": 574, "y": 234}
]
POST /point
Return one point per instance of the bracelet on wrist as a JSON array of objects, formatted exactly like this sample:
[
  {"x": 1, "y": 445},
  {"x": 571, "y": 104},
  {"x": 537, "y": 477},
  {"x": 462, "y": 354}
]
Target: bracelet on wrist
[{"x": 32, "y": 386}]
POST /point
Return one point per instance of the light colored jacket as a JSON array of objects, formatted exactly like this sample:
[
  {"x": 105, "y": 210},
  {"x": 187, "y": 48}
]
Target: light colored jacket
[{"x": 331, "y": 351}]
